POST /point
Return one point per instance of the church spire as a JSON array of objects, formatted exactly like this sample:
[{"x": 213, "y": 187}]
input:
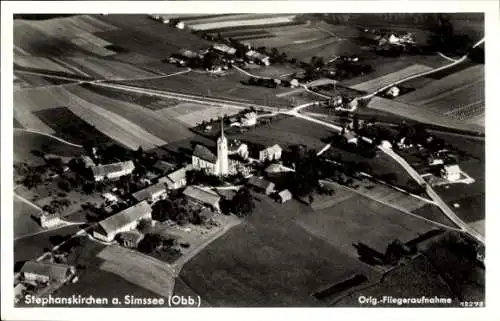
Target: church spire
[{"x": 222, "y": 127}]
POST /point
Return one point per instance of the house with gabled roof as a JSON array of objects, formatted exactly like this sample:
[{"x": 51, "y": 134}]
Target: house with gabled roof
[
  {"x": 46, "y": 271},
  {"x": 123, "y": 221},
  {"x": 203, "y": 197},
  {"x": 114, "y": 170}
]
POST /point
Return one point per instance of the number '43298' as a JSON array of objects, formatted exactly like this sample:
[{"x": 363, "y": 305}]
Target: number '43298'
[{"x": 472, "y": 304}]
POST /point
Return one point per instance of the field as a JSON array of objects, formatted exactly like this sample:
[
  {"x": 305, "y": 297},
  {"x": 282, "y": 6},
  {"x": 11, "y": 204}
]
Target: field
[
  {"x": 424, "y": 279},
  {"x": 374, "y": 84},
  {"x": 139, "y": 269},
  {"x": 459, "y": 95},
  {"x": 230, "y": 21},
  {"x": 24, "y": 224},
  {"x": 129, "y": 124},
  {"x": 96, "y": 282},
  {"x": 285, "y": 132},
  {"x": 160, "y": 130},
  {"x": 359, "y": 219},
  {"x": 33, "y": 246},
  {"x": 268, "y": 261},
  {"x": 420, "y": 114},
  {"x": 224, "y": 87},
  {"x": 71, "y": 127},
  {"x": 26, "y": 142}
]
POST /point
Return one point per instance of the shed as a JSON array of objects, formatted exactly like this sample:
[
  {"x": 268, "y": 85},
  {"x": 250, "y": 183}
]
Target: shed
[
  {"x": 261, "y": 185},
  {"x": 284, "y": 196}
]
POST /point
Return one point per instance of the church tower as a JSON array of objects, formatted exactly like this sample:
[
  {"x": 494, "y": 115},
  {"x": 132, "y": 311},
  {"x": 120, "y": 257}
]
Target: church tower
[{"x": 222, "y": 165}]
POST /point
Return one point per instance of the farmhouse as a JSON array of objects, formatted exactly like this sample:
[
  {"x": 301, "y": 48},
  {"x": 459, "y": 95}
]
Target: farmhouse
[
  {"x": 151, "y": 193},
  {"x": 261, "y": 185},
  {"x": 19, "y": 290},
  {"x": 204, "y": 197},
  {"x": 48, "y": 220},
  {"x": 275, "y": 170},
  {"x": 284, "y": 196},
  {"x": 114, "y": 170},
  {"x": 188, "y": 54},
  {"x": 225, "y": 49},
  {"x": 451, "y": 172},
  {"x": 270, "y": 153},
  {"x": 177, "y": 179},
  {"x": 236, "y": 147},
  {"x": 110, "y": 197},
  {"x": 351, "y": 137},
  {"x": 45, "y": 271},
  {"x": 258, "y": 57},
  {"x": 123, "y": 221},
  {"x": 249, "y": 119},
  {"x": 162, "y": 166},
  {"x": 393, "y": 91}
]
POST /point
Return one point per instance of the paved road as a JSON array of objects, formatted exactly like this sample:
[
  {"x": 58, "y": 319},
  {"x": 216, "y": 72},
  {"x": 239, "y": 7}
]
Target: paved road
[
  {"x": 186, "y": 97},
  {"x": 433, "y": 195},
  {"x": 49, "y": 135}
]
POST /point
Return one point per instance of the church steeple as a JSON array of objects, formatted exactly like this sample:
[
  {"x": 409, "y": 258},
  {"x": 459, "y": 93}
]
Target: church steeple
[
  {"x": 222, "y": 127},
  {"x": 222, "y": 165}
]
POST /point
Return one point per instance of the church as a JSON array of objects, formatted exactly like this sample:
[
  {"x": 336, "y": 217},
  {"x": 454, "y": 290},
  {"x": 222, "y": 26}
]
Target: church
[{"x": 220, "y": 164}]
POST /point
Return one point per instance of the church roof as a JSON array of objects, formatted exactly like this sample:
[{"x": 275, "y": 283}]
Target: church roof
[{"x": 204, "y": 153}]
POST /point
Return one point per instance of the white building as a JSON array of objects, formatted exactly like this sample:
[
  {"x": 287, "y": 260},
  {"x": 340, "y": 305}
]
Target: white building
[
  {"x": 123, "y": 221},
  {"x": 180, "y": 25},
  {"x": 114, "y": 170},
  {"x": 270, "y": 153},
  {"x": 258, "y": 57},
  {"x": 48, "y": 220},
  {"x": 176, "y": 179},
  {"x": 204, "y": 159},
  {"x": 223, "y": 48},
  {"x": 451, "y": 172},
  {"x": 284, "y": 196},
  {"x": 393, "y": 91},
  {"x": 249, "y": 119},
  {"x": 236, "y": 147}
]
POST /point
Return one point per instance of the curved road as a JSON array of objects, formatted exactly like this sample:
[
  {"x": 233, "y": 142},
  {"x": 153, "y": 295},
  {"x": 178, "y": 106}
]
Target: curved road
[{"x": 48, "y": 135}]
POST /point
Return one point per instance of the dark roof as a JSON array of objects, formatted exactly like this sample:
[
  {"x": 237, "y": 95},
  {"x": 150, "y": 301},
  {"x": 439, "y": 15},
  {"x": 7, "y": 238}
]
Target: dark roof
[
  {"x": 149, "y": 191},
  {"x": 204, "y": 153},
  {"x": 52, "y": 270},
  {"x": 124, "y": 217},
  {"x": 164, "y": 166},
  {"x": 259, "y": 182},
  {"x": 202, "y": 195}
]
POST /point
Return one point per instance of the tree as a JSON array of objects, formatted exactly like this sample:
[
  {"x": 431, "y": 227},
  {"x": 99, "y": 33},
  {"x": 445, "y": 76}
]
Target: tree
[
  {"x": 242, "y": 203},
  {"x": 64, "y": 185},
  {"x": 143, "y": 225},
  {"x": 163, "y": 210}
]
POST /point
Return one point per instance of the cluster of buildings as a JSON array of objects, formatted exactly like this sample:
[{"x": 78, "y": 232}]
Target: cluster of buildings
[{"x": 40, "y": 278}]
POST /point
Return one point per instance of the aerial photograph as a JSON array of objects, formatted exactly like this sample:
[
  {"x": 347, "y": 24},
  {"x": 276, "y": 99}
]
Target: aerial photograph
[{"x": 249, "y": 160}]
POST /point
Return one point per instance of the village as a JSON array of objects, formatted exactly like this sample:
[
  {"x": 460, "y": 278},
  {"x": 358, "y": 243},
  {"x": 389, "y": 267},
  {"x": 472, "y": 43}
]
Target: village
[{"x": 229, "y": 153}]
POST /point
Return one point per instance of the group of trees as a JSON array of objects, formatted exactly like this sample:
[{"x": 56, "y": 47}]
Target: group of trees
[
  {"x": 443, "y": 37},
  {"x": 152, "y": 242},
  {"x": 362, "y": 147},
  {"x": 242, "y": 204},
  {"x": 265, "y": 82},
  {"x": 179, "y": 211},
  {"x": 57, "y": 206}
]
